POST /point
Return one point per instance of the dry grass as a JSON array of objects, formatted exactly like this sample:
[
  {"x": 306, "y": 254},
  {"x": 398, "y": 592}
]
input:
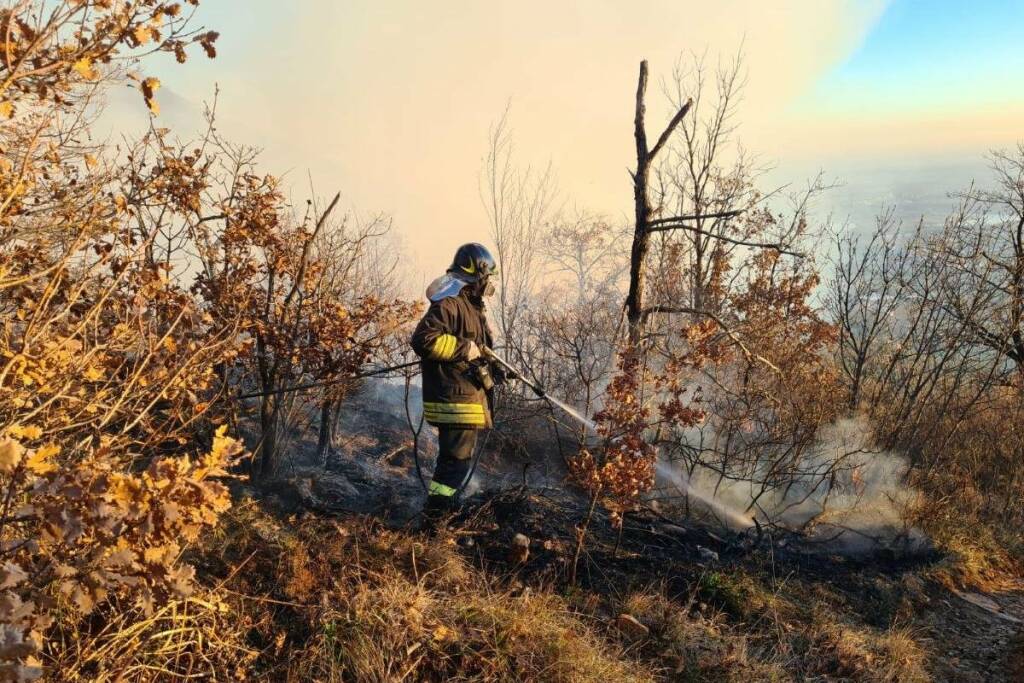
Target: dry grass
[
  {"x": 398, "y": 630},
  {"x": 745, "y": 632},
  {"x": 698, "y": 644},
  {"x": 973, "y": 564},
  {"x": 844, "y": 652},
  {"x": 357, "y": 602},
  {"x": 978, "y": 556},
  {"x": 184, "y": 639},
  {"x": 309, "y": 599}
]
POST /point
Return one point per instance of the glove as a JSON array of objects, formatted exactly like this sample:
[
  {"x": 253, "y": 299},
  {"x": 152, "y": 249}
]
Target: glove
[
  {"x": 472, "y": 351},
  {"x": 502, "y": 375}
]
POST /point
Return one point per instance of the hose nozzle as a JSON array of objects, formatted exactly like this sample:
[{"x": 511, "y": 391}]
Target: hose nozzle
[{"x": 492, "y": 356}]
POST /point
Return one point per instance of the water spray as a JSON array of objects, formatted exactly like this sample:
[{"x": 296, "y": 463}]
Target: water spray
[
  {"x": 736, "y": 517},
  {"x": 683, "y": 484}
]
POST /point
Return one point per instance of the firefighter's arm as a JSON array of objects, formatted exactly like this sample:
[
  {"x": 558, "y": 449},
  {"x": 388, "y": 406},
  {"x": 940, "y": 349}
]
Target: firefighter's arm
[{"x": 434, "y": 338}]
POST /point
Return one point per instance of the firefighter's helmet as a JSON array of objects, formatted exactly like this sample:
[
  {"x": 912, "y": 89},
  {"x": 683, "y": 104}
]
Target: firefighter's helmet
[{"x": 473, "y": 262}]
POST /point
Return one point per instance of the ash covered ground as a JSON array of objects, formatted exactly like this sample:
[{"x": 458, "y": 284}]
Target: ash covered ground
[{"x": 883, "y": 577}]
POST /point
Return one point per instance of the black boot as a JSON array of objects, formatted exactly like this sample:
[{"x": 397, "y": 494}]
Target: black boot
[{"x": 436, "y": 512}]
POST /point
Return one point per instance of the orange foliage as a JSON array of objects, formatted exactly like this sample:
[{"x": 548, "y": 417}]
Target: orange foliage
[
  {"x": 626, "y": 468},
  {"x": 108, "y": 365},
  {"x": 49, "y": 48},
  {"x": 113, "y": 368},
  {"x": 766, "y": 347}
]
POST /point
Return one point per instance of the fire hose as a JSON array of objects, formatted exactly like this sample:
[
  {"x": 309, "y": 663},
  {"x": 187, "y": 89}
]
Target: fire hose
[
  {"x": 347, "y": 378},
  {"x": 492, "y": 356}
]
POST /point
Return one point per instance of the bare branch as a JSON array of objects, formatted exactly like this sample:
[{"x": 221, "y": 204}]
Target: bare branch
[
  {"x": 759, "y": 245},
  {"x": 650, "y": 310},
  {"x": 670, "y": 128},
  {"x": 304, "y": 259},
  {"x": 697, "y": 216}
]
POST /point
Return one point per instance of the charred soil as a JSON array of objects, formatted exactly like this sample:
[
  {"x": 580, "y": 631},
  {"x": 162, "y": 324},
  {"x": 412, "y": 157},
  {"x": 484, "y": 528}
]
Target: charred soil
[{"x": 507, "y": 592}]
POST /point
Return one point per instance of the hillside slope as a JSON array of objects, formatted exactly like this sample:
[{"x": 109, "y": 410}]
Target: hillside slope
[{"x": 296, "y": 595}]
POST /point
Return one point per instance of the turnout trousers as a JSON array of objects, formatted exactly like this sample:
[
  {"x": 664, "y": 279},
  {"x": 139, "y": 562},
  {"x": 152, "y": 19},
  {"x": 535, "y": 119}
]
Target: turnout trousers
[{"x": 455, "y": 453}]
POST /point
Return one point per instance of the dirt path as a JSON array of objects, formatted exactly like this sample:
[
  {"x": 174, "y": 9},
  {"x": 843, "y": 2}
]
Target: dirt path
[{"x": 976, "y": 637}]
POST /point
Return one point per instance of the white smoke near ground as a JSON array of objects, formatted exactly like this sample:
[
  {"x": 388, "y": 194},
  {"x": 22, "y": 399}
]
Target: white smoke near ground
[
  {"x": 842, "y": 492},
  {"x": 472, "y": 487}
]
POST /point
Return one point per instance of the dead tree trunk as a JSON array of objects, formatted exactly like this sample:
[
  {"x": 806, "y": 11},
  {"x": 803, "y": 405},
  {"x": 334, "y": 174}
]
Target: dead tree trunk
[
  {"x": 642, "y": 228},
  {"x": 642, "y": 212},
  {"x": 637, "y": 310},
  {"x": 328, "y": 415}
]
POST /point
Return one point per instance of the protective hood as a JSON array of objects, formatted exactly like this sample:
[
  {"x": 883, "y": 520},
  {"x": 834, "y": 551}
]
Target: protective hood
[{"x": 443, "y": 287}]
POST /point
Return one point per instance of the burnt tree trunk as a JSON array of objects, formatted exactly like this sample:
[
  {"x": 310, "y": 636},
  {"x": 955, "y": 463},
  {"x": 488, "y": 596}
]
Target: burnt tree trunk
[
  {"x": 328, "y": 415},
  {"x": 267, "y": 463},
  {"x": 642, "y": 229},
  {"x": 642, "y": 212}
]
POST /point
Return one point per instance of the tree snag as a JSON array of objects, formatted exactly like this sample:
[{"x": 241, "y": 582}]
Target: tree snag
[{"x": 642, "y": 203}]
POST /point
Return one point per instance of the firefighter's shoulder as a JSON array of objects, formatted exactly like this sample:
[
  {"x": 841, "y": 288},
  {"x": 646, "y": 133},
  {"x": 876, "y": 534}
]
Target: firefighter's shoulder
[{"x": 444, "y": 288}]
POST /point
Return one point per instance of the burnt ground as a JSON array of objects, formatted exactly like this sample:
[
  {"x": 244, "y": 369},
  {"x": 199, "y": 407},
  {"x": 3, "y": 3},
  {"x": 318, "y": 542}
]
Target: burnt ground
[
  {"x": 971, "y": 642},
  {"x": 967, "y": 637}
]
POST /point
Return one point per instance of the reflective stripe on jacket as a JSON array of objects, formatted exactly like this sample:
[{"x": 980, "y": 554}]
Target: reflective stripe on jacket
[{"x": 451, "y": 397}]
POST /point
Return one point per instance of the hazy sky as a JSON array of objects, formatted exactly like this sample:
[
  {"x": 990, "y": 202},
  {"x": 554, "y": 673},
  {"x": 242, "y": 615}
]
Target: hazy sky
[{"x": 390, "y": 101}]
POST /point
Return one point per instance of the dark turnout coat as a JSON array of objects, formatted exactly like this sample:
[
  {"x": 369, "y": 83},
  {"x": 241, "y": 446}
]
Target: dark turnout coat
[{"x": 451, "y": 395}]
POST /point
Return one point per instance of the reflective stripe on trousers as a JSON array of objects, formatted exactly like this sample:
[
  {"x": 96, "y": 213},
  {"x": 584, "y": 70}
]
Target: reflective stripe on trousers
[{"x": 469, "y": 414}]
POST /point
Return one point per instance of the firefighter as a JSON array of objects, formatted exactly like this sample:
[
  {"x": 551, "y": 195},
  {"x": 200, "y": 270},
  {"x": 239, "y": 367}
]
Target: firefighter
[{"x": 457, "y": 378}]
